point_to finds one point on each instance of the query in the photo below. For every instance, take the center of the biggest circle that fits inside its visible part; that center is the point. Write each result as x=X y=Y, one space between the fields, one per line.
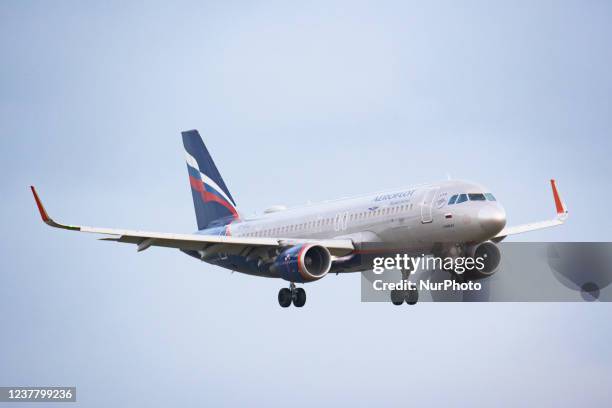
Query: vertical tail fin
x=214 y=205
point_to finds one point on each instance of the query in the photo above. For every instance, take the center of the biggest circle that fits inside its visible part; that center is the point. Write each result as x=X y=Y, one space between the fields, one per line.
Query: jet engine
x=491 y=257
x=302 y=263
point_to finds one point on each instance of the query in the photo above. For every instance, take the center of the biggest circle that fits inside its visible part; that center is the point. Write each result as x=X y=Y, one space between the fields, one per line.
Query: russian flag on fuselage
x=214 y=205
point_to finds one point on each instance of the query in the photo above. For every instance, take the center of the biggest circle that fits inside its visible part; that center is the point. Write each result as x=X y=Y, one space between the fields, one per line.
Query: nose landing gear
x=294 y=295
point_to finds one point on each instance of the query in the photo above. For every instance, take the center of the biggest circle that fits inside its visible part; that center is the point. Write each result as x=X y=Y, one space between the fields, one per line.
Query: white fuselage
x=415 y=219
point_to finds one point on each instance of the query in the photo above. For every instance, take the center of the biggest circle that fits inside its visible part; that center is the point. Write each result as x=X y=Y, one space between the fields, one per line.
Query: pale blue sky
x=296 y=102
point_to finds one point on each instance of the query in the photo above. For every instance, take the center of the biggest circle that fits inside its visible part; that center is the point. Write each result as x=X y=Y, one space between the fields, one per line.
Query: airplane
x=306 y=243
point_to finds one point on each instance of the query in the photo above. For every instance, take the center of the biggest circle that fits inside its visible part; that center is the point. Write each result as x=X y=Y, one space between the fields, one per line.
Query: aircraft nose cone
x=492 y=219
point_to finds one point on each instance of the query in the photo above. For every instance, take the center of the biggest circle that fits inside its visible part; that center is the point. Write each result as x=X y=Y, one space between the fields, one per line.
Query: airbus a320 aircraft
x=304 y=244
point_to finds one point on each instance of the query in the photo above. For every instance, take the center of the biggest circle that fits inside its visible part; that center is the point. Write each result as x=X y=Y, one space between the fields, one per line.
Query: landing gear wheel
x=397 y=297
x=299 y=298
x=412 y=297
x=284 y=297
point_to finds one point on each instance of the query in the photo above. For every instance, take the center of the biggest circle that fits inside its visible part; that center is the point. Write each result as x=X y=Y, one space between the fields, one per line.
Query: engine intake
x=491 y=256
x=303 y=263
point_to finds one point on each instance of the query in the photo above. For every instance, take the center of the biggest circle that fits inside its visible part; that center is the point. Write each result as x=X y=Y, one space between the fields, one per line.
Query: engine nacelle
x=491 y=256
x=303 y=263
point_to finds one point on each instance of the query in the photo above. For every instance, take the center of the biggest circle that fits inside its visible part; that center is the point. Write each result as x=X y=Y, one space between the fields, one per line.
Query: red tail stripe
x=198 y=185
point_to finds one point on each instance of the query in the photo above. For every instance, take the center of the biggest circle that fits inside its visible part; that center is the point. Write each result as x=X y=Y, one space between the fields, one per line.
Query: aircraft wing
x=562 y=215
x=209 y=244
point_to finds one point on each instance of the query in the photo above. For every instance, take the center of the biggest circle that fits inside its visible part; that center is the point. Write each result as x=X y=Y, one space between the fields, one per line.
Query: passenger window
x=462 y=198
x=490 y=197
x=452 y=199
x=477 y=197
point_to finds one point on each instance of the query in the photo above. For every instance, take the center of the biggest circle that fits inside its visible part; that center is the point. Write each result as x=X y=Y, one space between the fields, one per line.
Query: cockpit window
x=477 y=197
x=462 y=198
x=490 y=197
x=452 y=199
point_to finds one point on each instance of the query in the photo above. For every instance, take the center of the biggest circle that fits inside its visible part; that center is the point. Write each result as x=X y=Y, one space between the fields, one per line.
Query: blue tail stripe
x=193 y=172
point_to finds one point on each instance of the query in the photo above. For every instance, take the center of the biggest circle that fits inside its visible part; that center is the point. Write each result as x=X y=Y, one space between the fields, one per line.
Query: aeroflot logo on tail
x=403 y=194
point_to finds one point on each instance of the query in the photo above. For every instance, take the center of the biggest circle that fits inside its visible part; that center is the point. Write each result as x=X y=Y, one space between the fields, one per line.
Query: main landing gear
x=410 y=296
x=399 y=296
x=292 y=294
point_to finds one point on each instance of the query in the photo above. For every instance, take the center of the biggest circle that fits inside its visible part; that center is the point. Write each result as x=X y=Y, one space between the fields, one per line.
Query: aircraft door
x=427 y=204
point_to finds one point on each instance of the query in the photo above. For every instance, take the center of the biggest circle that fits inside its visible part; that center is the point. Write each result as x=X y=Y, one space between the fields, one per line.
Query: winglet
x=561 y=209
x=45 y=217
x=41 y=208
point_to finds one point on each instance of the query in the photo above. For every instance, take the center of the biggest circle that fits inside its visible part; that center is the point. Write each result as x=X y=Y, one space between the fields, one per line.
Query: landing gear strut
x=292 y=294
